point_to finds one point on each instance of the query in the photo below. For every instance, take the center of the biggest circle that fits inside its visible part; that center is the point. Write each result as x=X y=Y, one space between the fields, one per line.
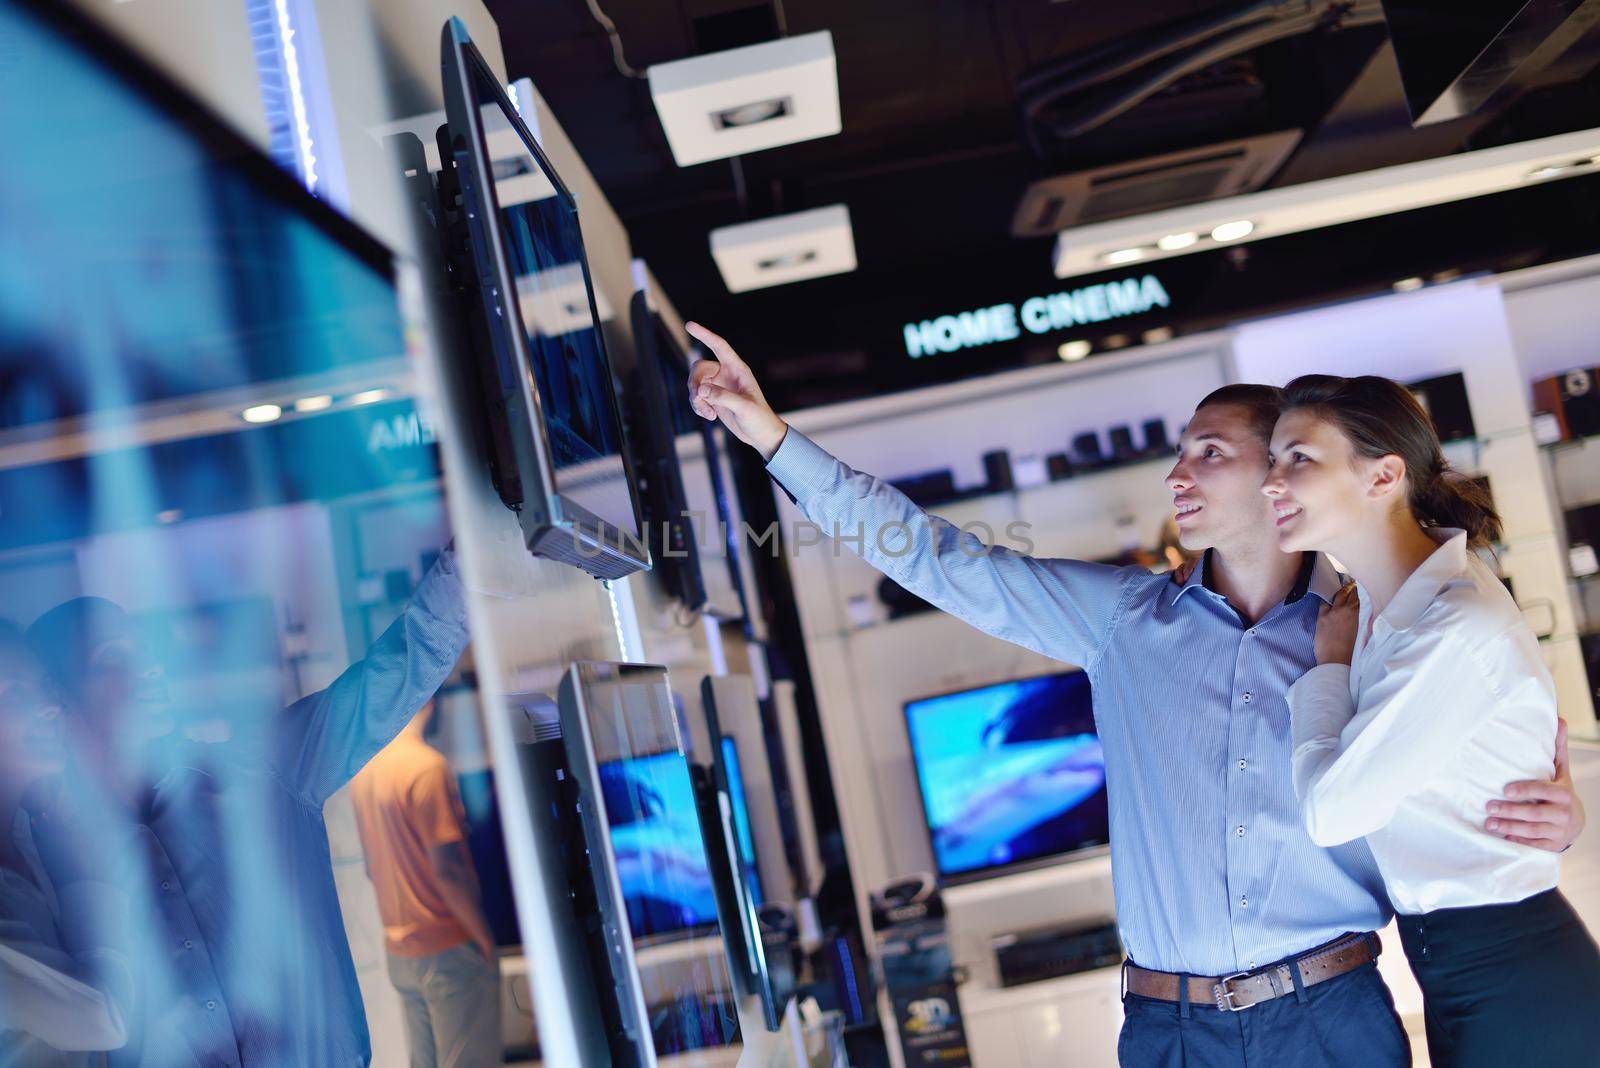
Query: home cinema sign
x=1036 y=315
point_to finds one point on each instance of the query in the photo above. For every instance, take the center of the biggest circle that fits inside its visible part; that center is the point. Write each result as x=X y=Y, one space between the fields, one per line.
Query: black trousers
x=1507 y=985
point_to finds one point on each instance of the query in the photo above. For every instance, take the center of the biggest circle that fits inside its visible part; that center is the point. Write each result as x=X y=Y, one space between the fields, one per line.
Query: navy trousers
x=1342 y=1022
x=1507 y=985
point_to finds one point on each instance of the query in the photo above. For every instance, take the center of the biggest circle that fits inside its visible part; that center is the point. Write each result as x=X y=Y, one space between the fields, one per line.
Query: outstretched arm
x=1061 y=608
x=326 y=737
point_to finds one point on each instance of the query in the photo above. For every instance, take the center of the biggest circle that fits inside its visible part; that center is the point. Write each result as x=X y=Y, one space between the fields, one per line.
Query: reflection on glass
x=212 y=623
x=1010 y=773
x=539 y=228
x=741 y=819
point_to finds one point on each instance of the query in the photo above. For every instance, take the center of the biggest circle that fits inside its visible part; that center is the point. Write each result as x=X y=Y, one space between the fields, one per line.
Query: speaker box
x=1573 y=399
x=1445 y=400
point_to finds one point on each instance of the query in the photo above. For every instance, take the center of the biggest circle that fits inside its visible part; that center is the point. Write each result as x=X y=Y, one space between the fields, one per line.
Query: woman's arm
x=1353 y=766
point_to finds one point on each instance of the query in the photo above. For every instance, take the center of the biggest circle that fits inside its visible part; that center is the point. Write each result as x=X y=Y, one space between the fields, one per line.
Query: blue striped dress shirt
x=1212 y=867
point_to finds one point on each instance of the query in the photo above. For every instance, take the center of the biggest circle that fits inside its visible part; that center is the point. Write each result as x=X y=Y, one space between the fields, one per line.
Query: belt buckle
x=1224 y=996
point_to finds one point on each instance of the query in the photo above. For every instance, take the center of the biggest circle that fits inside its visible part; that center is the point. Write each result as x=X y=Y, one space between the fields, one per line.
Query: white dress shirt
x=52 y=1015
x=1446 y=701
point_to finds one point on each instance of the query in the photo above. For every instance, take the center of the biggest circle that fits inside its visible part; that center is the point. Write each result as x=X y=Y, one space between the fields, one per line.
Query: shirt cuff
x=800 y=464
x=1320 y=704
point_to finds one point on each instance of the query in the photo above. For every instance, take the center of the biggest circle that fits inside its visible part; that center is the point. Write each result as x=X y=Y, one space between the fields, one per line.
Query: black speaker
x=1155 y=437
x=1086 y=450
x=1445 y=400
x=934 y=487
x=997 y=472
x=1057 y=466
x=1122 y=448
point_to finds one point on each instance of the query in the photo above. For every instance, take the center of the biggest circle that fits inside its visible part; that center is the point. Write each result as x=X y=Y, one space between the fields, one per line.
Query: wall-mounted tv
x=647 y=856
x=751 y=947
x=548 y=378
x=688 y=512
x=1011 y=775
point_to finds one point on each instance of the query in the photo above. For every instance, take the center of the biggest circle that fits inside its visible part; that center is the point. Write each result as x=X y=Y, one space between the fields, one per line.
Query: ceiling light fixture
x=788 y=259
x=1157 y=335
x=750 y=114
x=369 y=396
x=1408 y=285
x=1072 y=351
x=1176 y=242
x=261 y=413
x=1233 y=231
x=1122 y=255
x=313 y=404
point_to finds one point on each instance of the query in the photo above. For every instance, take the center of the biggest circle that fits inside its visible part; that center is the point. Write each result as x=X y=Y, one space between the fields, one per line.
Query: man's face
x=124 y=691
x=1216 y=483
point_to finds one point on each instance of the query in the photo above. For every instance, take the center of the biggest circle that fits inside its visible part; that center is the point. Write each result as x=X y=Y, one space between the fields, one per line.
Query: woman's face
x=1318 y=486
x=32 y=744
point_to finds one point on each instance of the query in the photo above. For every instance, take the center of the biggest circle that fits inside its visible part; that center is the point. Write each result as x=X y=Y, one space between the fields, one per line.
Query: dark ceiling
x=935 y=154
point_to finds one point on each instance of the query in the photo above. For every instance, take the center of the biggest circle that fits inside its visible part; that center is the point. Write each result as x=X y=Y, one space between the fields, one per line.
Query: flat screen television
x=751 y=946
x=688 y=513
x=1011 y=775
x=547 y=374
x=648 y=860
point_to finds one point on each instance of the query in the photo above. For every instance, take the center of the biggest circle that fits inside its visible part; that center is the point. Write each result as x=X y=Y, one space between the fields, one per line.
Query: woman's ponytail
x=1452 y=499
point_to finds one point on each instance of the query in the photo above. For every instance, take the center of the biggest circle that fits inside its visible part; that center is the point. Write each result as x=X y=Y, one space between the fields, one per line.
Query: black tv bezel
x=669 y=531
x=553 y=525
x=993 y=871
x=748 y=958
x=611 y=905
x=213 y=133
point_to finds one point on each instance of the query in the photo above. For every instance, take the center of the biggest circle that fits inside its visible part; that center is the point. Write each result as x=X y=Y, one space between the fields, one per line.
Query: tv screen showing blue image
x=655 y=835
x=741 y=818
x=1010 y=774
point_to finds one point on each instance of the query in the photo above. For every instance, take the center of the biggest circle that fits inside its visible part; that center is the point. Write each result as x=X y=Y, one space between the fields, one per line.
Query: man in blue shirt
x=1224 y=902
x=239 y=944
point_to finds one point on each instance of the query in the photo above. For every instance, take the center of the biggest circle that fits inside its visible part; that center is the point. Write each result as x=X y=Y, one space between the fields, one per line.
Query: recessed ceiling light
x=1122 y=255
x=171 y=515
x=313 y=404
x=1175 y=242
x=1157 y=335
x=750 y=114
x=369 y=396
x=788 y=259
x=1233 y=231
x=1074 y=350
x=1556 y=170
x=1115 y=341
x=1407 y=285
x=261 y=413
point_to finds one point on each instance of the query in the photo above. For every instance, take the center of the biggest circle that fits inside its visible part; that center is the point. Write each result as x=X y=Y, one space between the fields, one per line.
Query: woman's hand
x=1336 y=627
x=726 y=389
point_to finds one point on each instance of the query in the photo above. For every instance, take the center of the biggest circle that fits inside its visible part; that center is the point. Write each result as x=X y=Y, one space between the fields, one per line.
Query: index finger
x=717 y=345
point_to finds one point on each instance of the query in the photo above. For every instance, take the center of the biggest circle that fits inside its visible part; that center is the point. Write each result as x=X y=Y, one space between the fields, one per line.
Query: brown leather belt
x=1236 y=992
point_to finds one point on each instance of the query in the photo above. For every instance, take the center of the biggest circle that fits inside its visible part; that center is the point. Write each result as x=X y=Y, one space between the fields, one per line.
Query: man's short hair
x=1261 y=403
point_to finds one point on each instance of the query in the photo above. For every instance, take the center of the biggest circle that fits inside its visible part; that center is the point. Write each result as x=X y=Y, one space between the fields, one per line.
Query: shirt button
x=188 y=943
x=1243 y=763
x=166 y=885
x=211 y=1005
x=1244 y=902
x=1247 y=697
x=1239 y=830
x=1251 y=632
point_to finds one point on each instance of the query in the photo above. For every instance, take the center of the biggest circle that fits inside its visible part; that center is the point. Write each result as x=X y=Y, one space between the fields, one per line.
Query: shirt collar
x=1317 y=577
x=1422 y=586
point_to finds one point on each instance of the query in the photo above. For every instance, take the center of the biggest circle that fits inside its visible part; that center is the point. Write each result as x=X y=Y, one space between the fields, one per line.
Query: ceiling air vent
x=1151 y=184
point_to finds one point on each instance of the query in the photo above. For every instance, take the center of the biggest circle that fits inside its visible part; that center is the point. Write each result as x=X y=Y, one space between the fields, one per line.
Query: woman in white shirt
x=1428 y=697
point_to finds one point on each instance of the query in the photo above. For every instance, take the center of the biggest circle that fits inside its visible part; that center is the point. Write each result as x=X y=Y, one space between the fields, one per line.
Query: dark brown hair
x=1380 y=417
x=1261 y=403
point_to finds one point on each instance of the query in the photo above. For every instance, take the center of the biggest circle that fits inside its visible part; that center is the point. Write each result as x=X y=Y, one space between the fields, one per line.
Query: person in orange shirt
x=441 y=952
